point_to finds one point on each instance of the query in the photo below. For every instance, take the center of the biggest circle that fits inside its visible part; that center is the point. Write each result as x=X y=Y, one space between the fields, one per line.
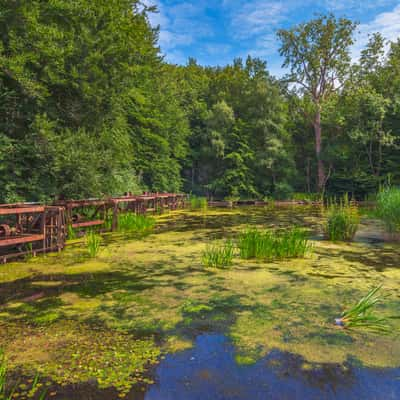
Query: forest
x=89 y=107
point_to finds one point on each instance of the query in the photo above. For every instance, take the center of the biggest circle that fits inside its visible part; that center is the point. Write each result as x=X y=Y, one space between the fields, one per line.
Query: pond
x=146 y=320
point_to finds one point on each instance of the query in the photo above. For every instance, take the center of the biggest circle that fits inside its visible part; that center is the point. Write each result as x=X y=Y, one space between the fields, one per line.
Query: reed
x=93 y=242
x=342 y=221
x=388 y=208
x=133 y=223
x=269 y=245
x=361 y=315
x=198 y=203
x=71 y=234
x=3 y=372
x=218 y=256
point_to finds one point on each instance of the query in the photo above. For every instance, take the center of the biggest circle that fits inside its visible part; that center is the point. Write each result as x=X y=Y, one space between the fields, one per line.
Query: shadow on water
x=209 y=371
x=268 y=216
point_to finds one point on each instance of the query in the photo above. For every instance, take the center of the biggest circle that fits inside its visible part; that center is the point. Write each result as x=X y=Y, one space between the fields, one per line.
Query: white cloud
x=356 y=5
x=180 y=25
x=169 y=40
x=217 y=49
x=257 y=17
x=217 y=31
x=387 y=23
x=266 y=45
x=176 y=57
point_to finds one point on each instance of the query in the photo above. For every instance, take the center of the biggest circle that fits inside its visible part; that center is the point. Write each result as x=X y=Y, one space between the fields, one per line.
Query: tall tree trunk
x=308 y=169
x=318 y=147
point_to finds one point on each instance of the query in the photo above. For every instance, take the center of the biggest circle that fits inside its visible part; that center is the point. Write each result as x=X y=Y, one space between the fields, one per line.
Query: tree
x=317 y=53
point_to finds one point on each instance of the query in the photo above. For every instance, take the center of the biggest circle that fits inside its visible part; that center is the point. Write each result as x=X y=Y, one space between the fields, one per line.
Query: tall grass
x=133 y=223
x=270 y=245
x=71 y=233
x=388 y=208
x=93 y=242
x=342 y=221
x=198 y=203
x=361 y=315
x=308 y=197
x=218 y=256
x=3 y=372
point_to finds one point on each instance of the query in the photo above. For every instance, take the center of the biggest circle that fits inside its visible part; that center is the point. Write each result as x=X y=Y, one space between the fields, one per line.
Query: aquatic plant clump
x=93 y=242
x=388 y=208
x=134 y=223
x=342 y=221
x=198 y=203
x=361 y=315
x=218 y=256
x=269 y=245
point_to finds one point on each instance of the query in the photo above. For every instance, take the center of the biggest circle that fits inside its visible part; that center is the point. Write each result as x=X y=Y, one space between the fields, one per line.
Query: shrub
x=388 y=208
x=218 y=256
x=198 y=203
x=342 y=222
x=269 y=245
x=131 y=222
x=93 y=242
x=283 y=191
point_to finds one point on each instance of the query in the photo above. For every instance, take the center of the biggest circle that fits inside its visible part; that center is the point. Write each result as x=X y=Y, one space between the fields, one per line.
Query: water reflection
x=209 y=371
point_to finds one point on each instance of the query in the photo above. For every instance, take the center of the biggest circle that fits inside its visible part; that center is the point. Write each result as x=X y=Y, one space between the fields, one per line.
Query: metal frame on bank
x=30 y=228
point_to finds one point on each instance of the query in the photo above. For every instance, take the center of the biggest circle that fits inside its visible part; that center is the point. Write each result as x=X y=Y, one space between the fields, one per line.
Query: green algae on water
x=111 y=317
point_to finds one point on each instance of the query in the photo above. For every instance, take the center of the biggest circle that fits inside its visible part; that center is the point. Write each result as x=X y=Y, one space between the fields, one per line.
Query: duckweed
x=109 y=319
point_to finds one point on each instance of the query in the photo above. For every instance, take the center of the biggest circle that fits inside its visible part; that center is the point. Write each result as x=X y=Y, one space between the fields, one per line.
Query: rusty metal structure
x=28 y=228
x=84 y=213
x=146 y=203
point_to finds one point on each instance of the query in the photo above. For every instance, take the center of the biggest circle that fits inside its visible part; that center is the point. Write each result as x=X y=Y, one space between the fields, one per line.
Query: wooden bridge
x=30 y=228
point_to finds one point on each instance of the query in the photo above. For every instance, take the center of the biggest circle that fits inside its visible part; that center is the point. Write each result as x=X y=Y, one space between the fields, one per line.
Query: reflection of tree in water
x=269 y=217
x=326 y=377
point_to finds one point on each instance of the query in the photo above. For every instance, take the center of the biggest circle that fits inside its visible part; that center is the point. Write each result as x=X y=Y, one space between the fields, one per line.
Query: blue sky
x=216 y=31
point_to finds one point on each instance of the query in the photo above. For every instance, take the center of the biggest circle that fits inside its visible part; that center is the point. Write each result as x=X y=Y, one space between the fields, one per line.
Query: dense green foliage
x=89 y=108
x=198 y=203
x=342 y=221
x=388 y=208
x=271 y=245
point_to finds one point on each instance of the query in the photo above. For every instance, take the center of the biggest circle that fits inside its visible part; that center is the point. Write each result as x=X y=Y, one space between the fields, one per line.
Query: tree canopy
x=89 y=107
